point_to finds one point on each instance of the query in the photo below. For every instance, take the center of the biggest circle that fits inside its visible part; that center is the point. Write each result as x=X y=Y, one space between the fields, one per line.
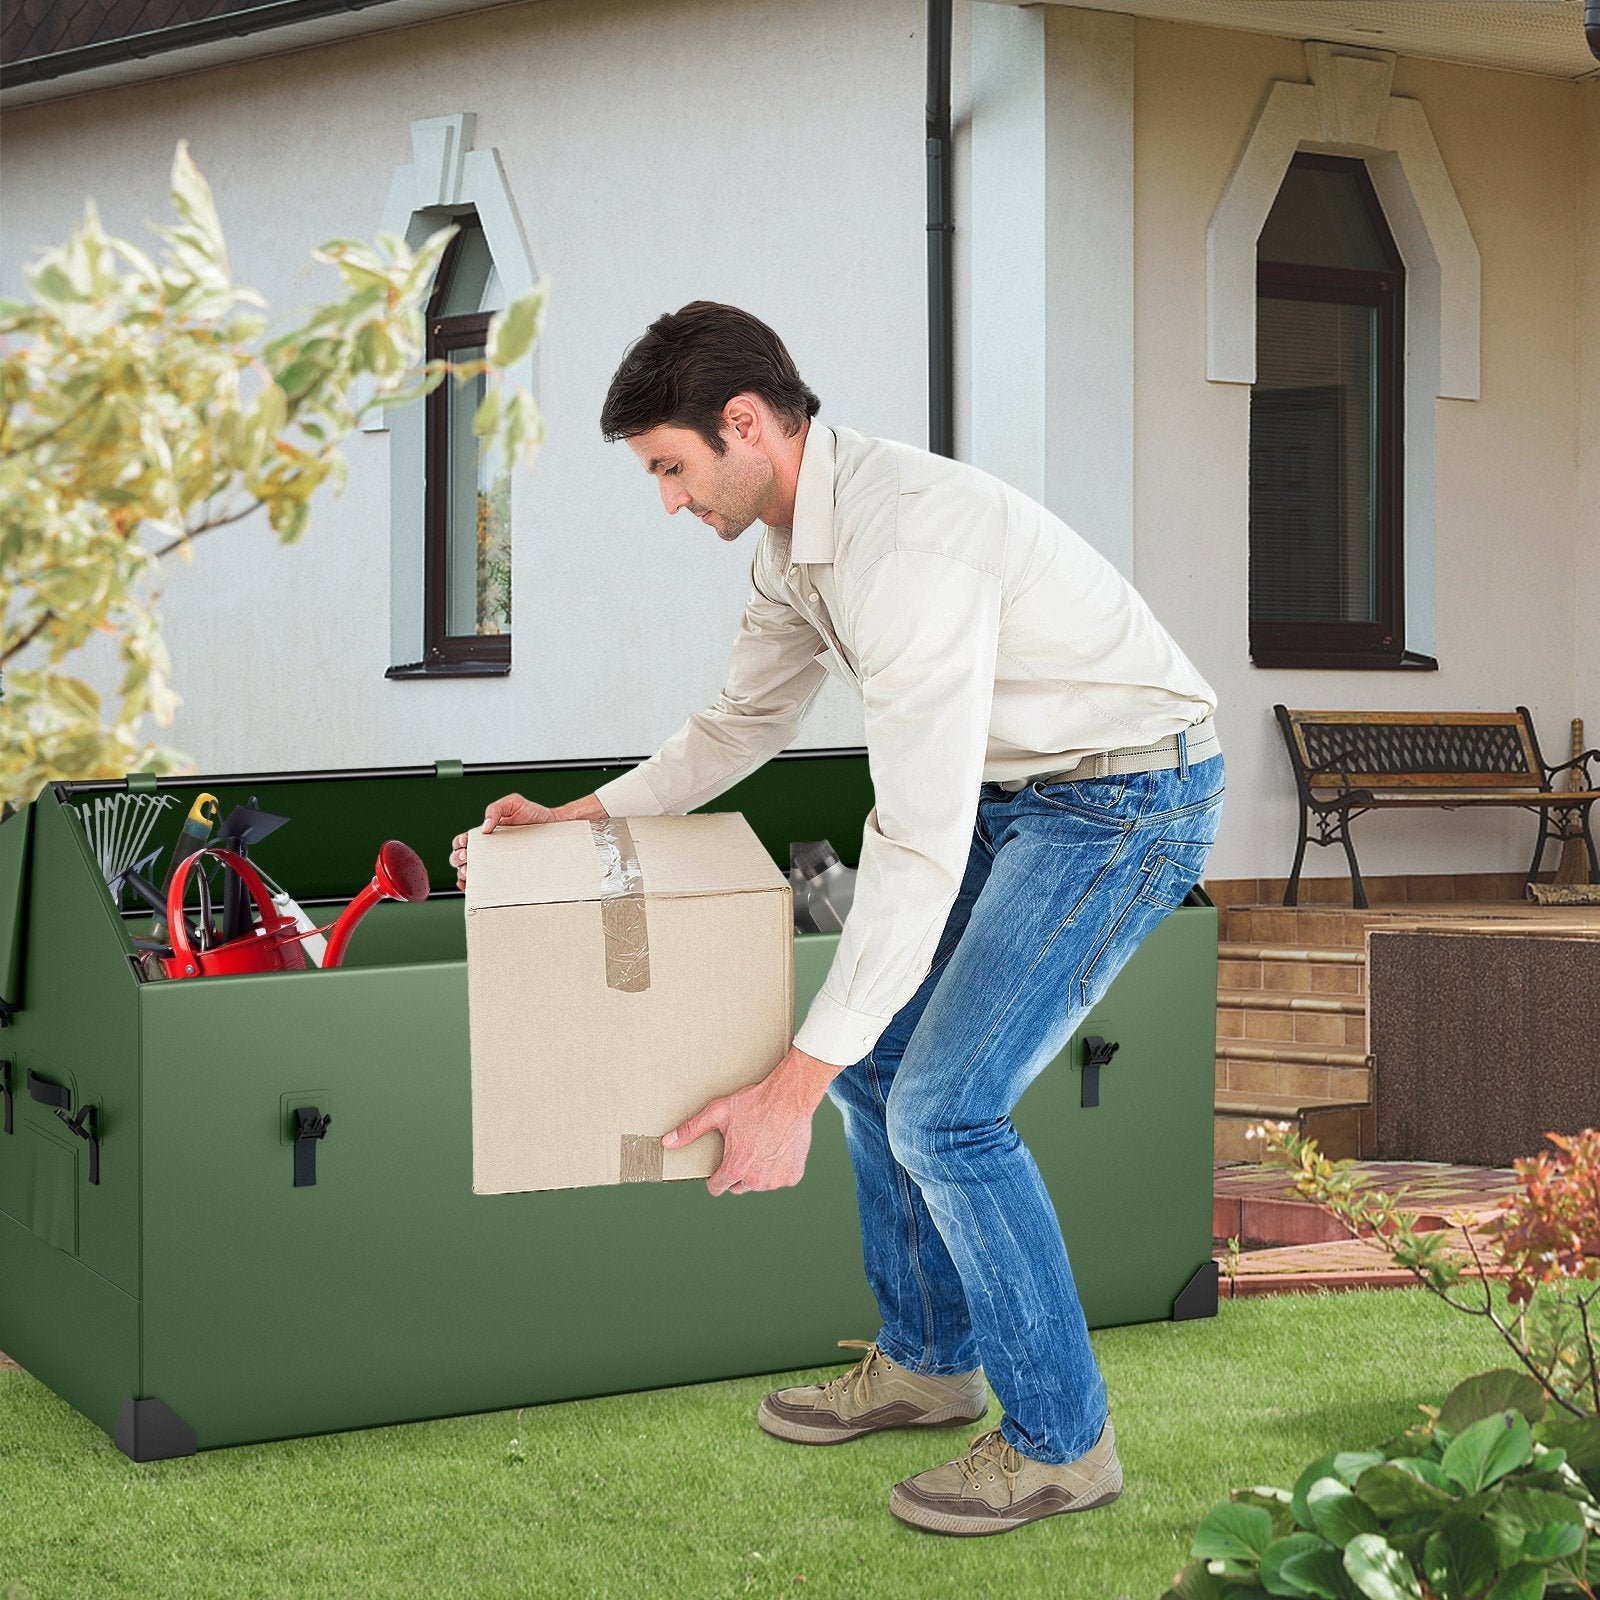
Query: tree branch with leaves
x=144 y=404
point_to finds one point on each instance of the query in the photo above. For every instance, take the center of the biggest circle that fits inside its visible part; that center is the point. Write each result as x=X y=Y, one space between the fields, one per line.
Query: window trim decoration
x=445 y=178
x=1347 y=109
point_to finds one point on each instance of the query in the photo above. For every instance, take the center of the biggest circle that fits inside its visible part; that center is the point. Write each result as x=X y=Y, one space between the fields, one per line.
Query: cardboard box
x=620 y=974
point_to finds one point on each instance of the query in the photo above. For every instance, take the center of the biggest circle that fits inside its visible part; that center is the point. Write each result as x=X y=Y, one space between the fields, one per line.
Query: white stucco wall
x=772 y=156
x=1506 y=480
x=767 y=155
x=1587 y=564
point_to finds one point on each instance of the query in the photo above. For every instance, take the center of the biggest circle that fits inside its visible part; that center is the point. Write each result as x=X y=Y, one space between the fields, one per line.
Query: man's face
x=726 y=492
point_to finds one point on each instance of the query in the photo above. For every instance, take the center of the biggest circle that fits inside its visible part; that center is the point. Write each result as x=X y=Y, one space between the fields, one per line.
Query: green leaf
x=1348 y=1465
x=512 y=332
x=1579 y=1437
x=1504 y=1389
x=485 y=418
x=191 y=194
x=1553 y=1542
x=1488 y=1450
x=1321 y=1572
x=1423 y=1467
x=1534 y=1508
x=1233 y=1533
x=1321 y=1468
x=1522 y=1582
x=1391 y=1491
x=1473 y=1552
x=1284 y=1569
x=1337 y=1514
x=1380 y=1573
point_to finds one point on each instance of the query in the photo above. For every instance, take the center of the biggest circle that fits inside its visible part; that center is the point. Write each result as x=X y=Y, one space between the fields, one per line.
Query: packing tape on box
x=641 y=1158
x=622 y=912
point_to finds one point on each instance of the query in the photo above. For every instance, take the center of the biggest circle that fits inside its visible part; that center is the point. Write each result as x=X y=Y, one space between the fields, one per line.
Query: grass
x=677 y=1492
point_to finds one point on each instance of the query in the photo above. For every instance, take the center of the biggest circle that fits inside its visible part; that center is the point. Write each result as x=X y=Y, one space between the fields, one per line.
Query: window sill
x=1406 y=661
x=451 y=669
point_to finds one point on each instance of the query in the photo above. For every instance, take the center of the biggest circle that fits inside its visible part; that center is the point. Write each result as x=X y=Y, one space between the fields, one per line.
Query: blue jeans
x=961 y=1243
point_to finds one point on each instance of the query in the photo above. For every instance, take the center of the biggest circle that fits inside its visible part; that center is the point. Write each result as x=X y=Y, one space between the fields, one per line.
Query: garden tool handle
x=177 y=928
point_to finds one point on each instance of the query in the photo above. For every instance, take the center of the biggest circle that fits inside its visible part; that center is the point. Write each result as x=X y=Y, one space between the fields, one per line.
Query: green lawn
x=677 y=1492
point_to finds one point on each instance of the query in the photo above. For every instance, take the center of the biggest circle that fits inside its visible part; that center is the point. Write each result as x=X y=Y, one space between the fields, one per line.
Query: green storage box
x=194 y=1297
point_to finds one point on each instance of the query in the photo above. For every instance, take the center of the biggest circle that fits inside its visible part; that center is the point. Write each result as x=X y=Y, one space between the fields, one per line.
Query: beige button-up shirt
x=987 y=641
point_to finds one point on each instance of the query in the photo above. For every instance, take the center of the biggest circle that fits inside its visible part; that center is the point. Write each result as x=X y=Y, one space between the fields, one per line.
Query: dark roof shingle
x=35 y=28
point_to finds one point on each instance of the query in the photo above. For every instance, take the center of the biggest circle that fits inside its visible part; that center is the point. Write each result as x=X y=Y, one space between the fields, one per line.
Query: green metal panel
x=271 y=1311
x=1131 y=1177
x=14 y=838
x=71 y=1329
x=79 y=1027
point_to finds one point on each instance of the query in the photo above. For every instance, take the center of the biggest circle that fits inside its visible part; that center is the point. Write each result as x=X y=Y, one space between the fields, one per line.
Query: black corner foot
x=150 y=1430
x=1199 y=1296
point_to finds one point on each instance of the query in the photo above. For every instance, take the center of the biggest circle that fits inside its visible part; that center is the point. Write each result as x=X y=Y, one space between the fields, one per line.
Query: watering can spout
x=400 y=875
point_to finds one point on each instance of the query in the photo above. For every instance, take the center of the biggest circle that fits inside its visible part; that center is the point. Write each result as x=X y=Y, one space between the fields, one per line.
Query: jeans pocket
x=1103 y=798
x=1171 y=868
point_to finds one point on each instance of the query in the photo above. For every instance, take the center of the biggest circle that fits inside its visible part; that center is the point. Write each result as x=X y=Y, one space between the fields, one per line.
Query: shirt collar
x=811 y=539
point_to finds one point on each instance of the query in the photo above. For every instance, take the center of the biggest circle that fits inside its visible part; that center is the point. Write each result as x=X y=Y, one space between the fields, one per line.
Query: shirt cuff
x=836 y=1034
x=629 y=796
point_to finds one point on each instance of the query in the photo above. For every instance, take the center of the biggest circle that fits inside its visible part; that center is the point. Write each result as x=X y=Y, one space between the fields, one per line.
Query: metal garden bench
x=1350 y=762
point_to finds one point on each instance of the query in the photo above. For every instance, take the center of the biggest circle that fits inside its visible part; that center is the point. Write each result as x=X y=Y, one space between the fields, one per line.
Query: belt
x=1198 y=743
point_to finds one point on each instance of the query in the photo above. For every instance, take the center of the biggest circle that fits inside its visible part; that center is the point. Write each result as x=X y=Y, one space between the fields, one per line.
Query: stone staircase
x=1292 y=1029
x=1292 y=997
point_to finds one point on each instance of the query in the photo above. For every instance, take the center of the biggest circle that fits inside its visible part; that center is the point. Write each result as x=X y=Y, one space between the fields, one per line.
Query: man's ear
x=742 y=416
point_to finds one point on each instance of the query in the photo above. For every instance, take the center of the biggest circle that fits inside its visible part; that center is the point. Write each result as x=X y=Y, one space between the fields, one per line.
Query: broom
x=1574 y=864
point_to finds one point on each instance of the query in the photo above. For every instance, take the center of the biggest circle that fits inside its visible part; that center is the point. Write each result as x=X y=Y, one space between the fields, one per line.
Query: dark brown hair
x=689 y=364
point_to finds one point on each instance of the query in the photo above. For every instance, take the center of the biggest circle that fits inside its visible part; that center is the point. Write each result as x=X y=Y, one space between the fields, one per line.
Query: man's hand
x=766 y=1127
x=513 y=811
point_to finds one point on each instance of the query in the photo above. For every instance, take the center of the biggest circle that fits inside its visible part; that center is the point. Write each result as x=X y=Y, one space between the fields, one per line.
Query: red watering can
x=275 y=946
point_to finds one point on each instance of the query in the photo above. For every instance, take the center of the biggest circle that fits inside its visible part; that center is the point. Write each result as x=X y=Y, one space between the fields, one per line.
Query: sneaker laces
x=856 y=1379
x=991 y=1449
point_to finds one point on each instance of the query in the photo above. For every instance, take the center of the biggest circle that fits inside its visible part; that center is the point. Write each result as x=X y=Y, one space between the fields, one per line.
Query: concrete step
x=1291 y=1017
x=1294 y=969
x=1294 y=1070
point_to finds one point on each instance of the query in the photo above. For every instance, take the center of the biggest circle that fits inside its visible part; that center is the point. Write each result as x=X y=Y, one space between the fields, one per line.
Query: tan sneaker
x=875 y=1393
x=994 y=1488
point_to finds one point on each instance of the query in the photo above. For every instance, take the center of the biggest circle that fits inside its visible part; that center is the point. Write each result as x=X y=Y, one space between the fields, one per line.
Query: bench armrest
x=1566 y=766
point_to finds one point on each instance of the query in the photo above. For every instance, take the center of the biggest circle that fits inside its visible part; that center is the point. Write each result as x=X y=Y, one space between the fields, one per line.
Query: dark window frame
x=1380 y=643
x=444 y=652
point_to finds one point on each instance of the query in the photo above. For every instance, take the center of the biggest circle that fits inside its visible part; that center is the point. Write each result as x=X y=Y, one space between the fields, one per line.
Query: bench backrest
x=1414 y=749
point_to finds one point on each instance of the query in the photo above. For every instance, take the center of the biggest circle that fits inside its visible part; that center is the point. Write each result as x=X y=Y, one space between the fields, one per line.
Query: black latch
x=83 y=1124
x=310 y=1126
x=5 y=1097
x=1097 y=1053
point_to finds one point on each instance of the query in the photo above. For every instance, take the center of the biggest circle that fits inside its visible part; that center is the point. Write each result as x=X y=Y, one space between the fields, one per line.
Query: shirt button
x=815 y=595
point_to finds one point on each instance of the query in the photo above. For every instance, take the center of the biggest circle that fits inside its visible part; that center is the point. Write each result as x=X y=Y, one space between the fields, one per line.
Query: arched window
x=1326 y=533
x=467 y=543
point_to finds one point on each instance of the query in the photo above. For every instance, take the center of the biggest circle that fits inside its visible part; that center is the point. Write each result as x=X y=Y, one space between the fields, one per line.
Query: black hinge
x=5 y=1097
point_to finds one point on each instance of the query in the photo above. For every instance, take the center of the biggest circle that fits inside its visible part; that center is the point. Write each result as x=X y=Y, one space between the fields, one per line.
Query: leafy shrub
x=1489 y=1498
